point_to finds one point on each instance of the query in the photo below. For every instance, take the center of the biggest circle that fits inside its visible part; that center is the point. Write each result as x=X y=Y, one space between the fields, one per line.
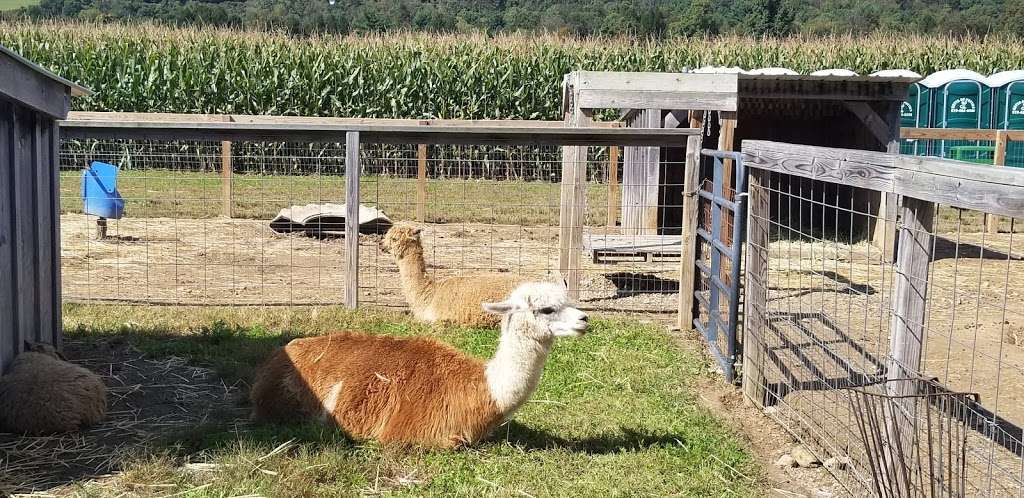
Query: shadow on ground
x=175 y=395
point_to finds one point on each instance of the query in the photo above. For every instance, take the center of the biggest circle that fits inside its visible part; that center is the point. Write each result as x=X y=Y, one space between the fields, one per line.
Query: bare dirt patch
x=237 y=261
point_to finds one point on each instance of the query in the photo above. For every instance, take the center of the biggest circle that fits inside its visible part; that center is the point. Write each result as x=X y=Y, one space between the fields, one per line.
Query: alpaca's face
x=398 y=238
x=544 y=309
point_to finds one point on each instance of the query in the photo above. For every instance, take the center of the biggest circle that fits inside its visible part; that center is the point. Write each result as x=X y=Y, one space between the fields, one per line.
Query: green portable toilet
x=914 y=112
x=960 y=99
x=1008 y=112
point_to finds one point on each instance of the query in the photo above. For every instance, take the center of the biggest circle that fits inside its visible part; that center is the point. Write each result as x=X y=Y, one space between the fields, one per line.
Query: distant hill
x=644 y=18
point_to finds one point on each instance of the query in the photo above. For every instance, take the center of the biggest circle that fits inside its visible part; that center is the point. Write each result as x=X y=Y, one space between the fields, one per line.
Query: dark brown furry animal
x=43 y=394
x=417 y=390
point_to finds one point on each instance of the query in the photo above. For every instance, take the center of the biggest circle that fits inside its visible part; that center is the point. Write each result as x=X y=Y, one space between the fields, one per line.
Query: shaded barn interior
x=859 y=112
x=31 y=101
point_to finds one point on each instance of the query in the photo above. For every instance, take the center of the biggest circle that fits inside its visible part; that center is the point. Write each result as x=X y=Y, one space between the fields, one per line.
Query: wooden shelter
x=852 y=112
x=32 y=99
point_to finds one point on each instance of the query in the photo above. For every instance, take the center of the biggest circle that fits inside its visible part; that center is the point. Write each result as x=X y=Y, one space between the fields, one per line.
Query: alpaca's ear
x=416 y=231
x=498 y=308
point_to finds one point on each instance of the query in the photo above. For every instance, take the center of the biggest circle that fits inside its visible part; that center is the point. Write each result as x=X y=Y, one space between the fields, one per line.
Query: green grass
x=175 y=194
x=16 y=4
x=615 y=415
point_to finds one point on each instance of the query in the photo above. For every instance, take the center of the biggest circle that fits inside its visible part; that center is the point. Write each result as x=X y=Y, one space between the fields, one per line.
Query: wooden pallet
x=624 y=248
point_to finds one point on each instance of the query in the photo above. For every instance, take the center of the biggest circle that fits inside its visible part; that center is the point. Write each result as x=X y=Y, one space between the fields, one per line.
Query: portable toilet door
x=1008 y=90
x=960 y=99
x=915 y=112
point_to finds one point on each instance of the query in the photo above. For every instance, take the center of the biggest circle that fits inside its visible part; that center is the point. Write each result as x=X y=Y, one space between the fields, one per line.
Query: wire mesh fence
x=826 y=288
x=197 y=225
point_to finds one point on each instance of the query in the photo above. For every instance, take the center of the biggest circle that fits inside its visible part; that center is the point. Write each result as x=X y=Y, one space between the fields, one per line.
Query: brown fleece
x=42 y=394
x=395 y=390
x=454 y=300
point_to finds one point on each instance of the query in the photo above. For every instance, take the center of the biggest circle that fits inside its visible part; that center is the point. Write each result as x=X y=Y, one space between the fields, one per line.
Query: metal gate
x=721 y=230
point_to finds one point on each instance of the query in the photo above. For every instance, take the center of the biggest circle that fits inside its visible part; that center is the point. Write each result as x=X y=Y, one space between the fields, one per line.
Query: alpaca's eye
x=546 y=311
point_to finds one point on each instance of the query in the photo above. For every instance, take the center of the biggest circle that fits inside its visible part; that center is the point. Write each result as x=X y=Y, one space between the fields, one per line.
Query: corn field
x=148 y=68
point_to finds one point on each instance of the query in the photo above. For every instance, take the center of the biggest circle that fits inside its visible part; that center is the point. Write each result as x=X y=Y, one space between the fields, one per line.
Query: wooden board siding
x=640 y=180
x=29 y=231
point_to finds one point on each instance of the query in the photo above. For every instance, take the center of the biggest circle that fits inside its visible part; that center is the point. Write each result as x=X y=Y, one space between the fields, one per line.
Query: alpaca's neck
x=513 y=373
x=413 y=270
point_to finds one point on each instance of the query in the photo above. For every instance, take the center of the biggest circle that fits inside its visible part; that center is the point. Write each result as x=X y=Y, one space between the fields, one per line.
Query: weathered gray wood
x=641 y=180
x=909 y=299
x=998 y=159
x=691 y=182
x=614 y=191
x=884 y=230
x=8 y=330
x=755 y=291
x=421 y=183
x=943 y=181
x=872 y=170
x=32 y=89
x=370 y=133
x=352 y=173
x=628 y=99
x=43 y=283
x=573 y=205
x=959 y=184
x=661 y=244
x=226 y=171
x=54 y=219
x=872 y=121
x=22 y=197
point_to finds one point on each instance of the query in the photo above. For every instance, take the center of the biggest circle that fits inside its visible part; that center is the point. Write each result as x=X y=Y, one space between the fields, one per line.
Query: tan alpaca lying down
x=43 y=394
x=454 y=300
x=417 y=390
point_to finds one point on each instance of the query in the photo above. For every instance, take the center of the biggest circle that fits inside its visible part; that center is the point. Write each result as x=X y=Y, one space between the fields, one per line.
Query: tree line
x=641 y=18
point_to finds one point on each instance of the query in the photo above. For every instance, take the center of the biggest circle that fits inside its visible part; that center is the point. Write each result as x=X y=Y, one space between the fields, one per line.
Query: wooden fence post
x=998 y=159
x=910 y=289
x=352 y=219
x=687 y=265
x=226 y=170
x=573 y=206
x=421 y=184
x=613 y=186
x=755 y=293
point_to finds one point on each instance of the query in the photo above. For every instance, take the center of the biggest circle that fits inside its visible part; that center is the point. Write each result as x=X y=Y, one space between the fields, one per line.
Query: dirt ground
x=831 y=317
x=241 y=262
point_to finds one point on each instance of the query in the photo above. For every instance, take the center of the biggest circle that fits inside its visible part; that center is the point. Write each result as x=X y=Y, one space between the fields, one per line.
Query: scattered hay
x=149 y=399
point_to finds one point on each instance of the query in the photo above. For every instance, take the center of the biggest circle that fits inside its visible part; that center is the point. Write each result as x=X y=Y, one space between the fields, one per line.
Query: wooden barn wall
x=29 y=231
x=640 y=180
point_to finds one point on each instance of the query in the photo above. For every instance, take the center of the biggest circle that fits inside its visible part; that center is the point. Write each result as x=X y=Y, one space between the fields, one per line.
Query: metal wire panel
x=828 y=298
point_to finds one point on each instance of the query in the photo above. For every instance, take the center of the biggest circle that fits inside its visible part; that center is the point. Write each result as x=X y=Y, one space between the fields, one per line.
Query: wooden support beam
x=883 y=234
x=999 y=159
x=909 y=300
x=907 y=328
x=755 y=293
x=573 y=206
x=226 y=171
x=871 y=120
x=691 y=182
x=613 y=186
x=352 y=173
x=645 y=90
x=421 y=183
x=652 y=177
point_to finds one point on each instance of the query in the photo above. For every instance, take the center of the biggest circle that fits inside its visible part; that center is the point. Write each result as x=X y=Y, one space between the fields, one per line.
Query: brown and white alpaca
x=418 y=390
x=454 y=300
